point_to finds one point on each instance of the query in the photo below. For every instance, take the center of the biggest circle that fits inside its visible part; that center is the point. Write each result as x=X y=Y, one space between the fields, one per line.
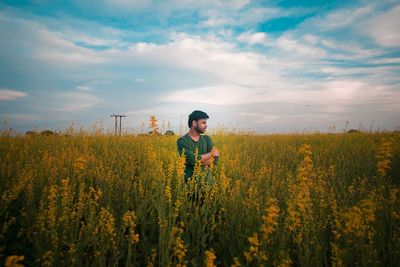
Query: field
x=277 y=200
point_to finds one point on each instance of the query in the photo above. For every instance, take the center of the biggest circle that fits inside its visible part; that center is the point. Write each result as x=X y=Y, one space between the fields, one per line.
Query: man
x=195 y=139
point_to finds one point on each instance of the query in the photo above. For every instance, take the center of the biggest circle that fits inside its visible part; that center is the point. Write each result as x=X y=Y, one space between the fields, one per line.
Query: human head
x=197 y=119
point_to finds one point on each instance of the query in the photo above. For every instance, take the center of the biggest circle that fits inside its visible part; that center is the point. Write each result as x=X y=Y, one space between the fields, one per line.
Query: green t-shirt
x=204 y=145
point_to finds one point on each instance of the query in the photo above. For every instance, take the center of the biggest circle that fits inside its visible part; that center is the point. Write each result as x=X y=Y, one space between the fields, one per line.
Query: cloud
x=22 y=117
x=52 y=47
x=290 y=44
x=210 y=58
x=83 y=88
x=384 y=29
x=340 y=18
x=138 y=6
x=76 y=101
x=128 y=4
x=253 y=38
x=7 y=94
x=332 y=96
x=216 y=95
x=259 y=117
x=249 y=16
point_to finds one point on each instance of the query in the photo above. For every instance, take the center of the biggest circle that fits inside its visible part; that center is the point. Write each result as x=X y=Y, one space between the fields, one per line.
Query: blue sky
x=269 y=66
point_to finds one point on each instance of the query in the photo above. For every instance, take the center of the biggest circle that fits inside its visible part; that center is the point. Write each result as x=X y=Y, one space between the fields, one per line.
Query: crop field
x=276 y=200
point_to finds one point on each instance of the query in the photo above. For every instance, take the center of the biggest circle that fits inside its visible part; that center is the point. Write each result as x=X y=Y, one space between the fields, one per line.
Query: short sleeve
x=210 y=144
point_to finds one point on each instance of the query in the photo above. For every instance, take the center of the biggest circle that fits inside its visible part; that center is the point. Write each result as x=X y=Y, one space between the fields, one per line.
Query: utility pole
x=120 y=118
x=116 y=116
x=116 y=122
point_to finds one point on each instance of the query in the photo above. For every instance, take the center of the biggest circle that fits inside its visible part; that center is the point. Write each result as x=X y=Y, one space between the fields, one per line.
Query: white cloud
x=128 y=4
x=248 y=16
x=47 y=45
x=259 y=117
x=83 y=88
x=211 y=58
x=311 y=38
x=291 y=44
x=7 y=94
x=238 y=4
x=89 y=40
x=215 y=95
x=53 y=48
x=21 y=117
x=77 y=100
x=340 y=18
x=331 y=96
x=253 y=38
x=384 y=29
x=349 y=50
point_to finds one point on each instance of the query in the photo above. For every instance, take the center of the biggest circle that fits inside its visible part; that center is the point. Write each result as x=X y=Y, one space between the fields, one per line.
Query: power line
x=116 y=116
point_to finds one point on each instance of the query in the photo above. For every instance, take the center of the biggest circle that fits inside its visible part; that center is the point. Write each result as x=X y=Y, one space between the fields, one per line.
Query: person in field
x=194 y=140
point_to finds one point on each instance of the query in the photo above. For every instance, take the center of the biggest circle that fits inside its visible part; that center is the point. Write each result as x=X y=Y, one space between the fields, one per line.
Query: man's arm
x=191 y=156
x=213 y=150
x=205 y=158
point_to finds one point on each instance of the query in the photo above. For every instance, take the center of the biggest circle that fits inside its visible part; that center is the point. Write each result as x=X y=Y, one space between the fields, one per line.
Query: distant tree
x=154 y=133
x=47 y=133
x=353 y=131
x=30 y=133
x=169 y=132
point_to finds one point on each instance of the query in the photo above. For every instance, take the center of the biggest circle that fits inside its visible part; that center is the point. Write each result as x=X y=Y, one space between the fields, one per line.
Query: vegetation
x=277 y=200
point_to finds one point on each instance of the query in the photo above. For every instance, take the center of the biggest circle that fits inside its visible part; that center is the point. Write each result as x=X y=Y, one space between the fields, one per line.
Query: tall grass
x=277 y=200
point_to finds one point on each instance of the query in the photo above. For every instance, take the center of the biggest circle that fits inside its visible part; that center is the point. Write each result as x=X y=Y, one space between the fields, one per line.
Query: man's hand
x=214 y=152
x=205 y=158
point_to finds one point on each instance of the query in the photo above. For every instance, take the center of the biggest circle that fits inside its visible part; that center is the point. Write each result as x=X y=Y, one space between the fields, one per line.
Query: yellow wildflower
x=384 y=156
x=236 y=262
x=209 y=258
x=14 y=261
x=270 y=220
x=254 y=252
x=168 y=194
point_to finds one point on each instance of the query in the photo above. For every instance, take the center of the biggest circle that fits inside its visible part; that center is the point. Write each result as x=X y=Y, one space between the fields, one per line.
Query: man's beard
x=198 y=130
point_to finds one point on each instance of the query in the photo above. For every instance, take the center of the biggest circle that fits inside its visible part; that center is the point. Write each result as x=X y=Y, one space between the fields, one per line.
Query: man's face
x=200 y=125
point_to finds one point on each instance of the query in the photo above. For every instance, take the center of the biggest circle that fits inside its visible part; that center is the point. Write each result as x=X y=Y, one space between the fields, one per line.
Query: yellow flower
x=136 y=238
x=384 y=156
x=236 y=262
x=14 y=261
x=129 y=221
x=153 y=257
x=177 y=244
x=254 y=252
x=80 y=163
x=209 y=258
x=106 y=225
x=270 y=219
x=179 y=250
x=168 y=194
x=358 y=220
x=300 y=206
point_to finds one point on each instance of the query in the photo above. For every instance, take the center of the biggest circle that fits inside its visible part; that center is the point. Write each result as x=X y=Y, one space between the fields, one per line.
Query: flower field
x=277 y=200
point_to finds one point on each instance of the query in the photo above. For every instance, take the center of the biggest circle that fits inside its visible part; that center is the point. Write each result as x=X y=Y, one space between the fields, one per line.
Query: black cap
x=197 y=115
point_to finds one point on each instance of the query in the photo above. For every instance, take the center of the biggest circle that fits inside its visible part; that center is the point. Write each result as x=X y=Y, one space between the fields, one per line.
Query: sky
x=266 y=66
